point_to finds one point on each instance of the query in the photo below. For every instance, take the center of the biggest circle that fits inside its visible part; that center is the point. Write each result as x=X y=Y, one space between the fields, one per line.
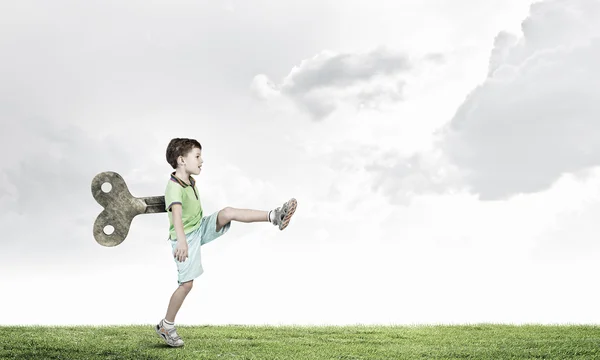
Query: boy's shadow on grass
x=160 y=346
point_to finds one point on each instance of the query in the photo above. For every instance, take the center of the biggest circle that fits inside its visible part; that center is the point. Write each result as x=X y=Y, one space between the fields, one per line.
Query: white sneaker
x=284 y=213
x=169 y=335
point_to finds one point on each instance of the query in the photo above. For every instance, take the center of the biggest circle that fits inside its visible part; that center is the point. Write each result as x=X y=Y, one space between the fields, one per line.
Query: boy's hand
x=181 y=251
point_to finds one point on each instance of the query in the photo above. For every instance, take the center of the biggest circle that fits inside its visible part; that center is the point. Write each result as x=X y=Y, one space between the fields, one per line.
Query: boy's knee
x=226 y=215
x=187 y=286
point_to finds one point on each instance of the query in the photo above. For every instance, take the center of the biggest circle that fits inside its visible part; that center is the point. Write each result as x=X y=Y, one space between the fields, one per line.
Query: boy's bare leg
x=228 y=214
x=177 y=299
x=225 y=216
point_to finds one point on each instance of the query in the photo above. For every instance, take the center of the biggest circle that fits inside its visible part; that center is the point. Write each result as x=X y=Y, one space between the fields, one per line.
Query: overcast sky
x=444 y=155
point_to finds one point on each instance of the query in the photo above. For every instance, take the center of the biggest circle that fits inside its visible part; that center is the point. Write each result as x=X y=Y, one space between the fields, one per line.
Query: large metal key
x=120 y=207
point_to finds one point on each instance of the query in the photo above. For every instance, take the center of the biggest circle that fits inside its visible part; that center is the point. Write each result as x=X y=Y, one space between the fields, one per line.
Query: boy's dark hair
x=180 y=147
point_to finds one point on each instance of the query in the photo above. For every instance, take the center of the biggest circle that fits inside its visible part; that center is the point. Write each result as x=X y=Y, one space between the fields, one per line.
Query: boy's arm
x=177 y=221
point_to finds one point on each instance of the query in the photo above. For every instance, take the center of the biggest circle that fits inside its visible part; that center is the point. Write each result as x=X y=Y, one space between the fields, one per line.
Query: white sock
x=168 y=325
x=271 y=216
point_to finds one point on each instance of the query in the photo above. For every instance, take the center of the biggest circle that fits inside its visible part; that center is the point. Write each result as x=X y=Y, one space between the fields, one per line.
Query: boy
x=189 y=228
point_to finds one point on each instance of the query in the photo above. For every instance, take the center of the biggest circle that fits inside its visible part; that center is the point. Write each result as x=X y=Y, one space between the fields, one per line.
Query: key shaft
x=154 y=204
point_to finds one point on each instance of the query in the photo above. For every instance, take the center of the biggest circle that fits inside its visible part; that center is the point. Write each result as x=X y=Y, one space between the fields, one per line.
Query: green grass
x=297 y=342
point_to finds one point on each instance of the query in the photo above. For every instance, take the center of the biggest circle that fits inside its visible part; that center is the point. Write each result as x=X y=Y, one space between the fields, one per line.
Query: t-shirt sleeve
x=173 y=195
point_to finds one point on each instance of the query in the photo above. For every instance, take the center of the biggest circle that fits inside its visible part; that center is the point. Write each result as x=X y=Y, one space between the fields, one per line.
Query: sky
x=444 y=158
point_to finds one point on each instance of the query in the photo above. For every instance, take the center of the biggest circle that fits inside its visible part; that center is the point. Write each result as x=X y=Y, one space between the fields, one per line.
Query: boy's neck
x=183 y=177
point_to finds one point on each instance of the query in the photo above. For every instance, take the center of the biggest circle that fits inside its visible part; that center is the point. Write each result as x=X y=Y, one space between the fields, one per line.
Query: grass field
x=288 y=342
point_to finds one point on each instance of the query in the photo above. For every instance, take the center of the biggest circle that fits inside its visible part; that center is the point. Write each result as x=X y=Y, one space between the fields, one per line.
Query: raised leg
x=228 y=214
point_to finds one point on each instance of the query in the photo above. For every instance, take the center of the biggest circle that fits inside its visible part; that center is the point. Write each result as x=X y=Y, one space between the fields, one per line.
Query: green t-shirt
x=178 y=192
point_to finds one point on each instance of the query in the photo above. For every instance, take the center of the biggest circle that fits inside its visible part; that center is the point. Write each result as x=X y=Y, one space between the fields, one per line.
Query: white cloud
x=535 y=116
x=530 y=121
x=400 y=177
x=323 y=83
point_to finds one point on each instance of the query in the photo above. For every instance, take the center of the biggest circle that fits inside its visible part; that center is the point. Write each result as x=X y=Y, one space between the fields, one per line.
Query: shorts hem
x=180 y=282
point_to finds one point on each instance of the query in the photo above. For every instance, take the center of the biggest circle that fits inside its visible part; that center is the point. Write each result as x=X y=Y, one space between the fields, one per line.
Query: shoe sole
x=292 y=204
x=162 y=336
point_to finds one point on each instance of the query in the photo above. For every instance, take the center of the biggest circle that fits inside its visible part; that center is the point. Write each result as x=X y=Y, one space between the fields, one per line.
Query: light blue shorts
x=191 y=267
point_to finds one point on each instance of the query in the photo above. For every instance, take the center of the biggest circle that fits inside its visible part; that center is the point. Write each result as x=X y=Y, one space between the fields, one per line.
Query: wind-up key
x=120 y=207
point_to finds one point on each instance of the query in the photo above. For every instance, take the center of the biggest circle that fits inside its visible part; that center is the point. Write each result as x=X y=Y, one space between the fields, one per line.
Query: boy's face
x=193 y=161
